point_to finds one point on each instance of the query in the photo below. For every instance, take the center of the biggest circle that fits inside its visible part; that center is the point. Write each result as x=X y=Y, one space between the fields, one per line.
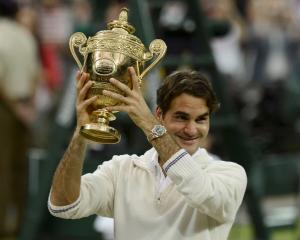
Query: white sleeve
x=67 y=211
x=216 y=189
x=96 y=195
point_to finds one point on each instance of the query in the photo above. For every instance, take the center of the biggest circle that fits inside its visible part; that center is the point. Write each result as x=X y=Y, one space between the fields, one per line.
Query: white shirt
x=200 y=202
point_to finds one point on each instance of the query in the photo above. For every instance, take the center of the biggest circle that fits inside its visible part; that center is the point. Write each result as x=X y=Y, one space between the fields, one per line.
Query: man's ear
x=158 y=113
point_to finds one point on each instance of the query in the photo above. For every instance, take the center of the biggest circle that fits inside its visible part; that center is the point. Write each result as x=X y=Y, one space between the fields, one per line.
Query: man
x=19 y=72
x=175 y=190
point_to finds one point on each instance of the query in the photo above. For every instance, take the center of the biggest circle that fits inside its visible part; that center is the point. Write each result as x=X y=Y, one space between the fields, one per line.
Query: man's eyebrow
x=185 y=114
x=180 y=113
x=203 y=115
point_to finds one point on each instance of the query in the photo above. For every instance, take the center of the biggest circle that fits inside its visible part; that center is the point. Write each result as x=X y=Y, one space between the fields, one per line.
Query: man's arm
x=164 y=145
x=139 y=112
x=66 y=181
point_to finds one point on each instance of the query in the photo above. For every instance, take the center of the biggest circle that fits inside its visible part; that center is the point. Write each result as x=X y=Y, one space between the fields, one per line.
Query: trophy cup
x=109 y=54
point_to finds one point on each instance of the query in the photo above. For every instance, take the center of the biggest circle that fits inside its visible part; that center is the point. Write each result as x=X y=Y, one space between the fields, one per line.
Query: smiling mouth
x=188 y=139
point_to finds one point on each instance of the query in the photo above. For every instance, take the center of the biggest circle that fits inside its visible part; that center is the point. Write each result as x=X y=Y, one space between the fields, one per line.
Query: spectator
x=19 y=71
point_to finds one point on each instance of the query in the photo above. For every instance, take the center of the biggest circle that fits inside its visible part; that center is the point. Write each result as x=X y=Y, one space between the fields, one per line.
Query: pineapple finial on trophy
x=122 y=22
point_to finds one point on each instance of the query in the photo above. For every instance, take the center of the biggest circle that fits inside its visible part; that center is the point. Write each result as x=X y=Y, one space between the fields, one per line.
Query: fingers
x=86 y=103
x=81 y=79
x=82 y=93
x=116 y=96
x=117 y=108
x=124 y=88
x=83 y=85
x=134 y=79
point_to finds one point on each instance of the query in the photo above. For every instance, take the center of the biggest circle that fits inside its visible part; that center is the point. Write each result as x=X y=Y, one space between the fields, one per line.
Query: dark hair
x=189 y=82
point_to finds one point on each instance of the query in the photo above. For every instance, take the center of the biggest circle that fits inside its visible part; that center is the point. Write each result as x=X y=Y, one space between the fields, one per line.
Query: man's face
x=187 y=120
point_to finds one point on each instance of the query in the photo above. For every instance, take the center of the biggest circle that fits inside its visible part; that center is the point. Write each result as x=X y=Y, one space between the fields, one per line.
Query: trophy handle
x=158 y=48
x=77 y=40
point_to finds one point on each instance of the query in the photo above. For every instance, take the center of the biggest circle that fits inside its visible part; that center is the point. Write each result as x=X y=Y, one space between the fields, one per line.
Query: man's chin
x=191 y=149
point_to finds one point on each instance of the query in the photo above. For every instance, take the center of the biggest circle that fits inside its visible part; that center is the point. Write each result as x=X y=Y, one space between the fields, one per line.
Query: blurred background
x=248 y=48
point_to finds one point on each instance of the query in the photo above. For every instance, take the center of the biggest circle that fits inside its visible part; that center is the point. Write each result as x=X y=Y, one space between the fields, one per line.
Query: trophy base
x=100 y=133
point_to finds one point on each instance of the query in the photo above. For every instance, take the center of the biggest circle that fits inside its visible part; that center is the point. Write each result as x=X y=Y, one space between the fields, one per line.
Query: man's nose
x=190 y=128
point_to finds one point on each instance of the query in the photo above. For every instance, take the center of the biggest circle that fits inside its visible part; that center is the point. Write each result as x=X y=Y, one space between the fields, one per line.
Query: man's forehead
x=188 y=101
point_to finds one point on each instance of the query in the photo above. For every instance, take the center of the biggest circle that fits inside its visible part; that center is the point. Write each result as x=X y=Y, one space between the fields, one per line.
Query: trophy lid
x=118 y=38
x=122 y=22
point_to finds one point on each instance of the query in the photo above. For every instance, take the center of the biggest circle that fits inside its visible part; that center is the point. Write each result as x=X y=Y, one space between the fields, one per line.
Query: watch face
x=156 y=132
x=159 y=130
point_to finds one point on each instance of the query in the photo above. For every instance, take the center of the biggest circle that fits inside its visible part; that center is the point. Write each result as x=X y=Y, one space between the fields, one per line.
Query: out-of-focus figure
x=226 y=39
x=55 y=25
x=272 y=23
x=82 y=10
x=19 y=70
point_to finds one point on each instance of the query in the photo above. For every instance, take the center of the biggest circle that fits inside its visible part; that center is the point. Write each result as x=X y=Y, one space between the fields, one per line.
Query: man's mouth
x=188 y=139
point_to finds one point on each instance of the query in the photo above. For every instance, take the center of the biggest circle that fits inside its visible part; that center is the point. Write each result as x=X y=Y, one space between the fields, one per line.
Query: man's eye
x=181 y=118
x=201 y=120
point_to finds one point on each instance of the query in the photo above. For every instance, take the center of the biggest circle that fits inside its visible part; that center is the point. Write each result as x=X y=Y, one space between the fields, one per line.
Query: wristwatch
x=156 y=132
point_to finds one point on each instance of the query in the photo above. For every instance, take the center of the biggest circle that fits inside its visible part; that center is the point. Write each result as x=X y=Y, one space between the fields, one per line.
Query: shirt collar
x=153 y=163
x=199 y=152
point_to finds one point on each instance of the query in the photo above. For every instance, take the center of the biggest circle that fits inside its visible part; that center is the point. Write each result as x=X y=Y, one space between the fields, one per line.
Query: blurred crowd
x=34 y=67
x=255 y=45
x=259 y=56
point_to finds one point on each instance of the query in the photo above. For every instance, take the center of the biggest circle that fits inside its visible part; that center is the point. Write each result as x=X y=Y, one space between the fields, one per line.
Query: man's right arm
x=67 y=178
x=66 y=181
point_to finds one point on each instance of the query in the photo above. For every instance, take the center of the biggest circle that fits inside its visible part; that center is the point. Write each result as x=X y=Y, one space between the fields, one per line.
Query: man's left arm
x=135 y=105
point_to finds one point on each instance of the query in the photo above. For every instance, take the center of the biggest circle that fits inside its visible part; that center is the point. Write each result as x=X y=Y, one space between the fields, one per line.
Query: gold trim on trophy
x=109 y=54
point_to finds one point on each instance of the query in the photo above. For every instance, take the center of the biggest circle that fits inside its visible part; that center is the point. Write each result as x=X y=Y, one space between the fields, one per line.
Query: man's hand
x=133 y=102
x=83 y=113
